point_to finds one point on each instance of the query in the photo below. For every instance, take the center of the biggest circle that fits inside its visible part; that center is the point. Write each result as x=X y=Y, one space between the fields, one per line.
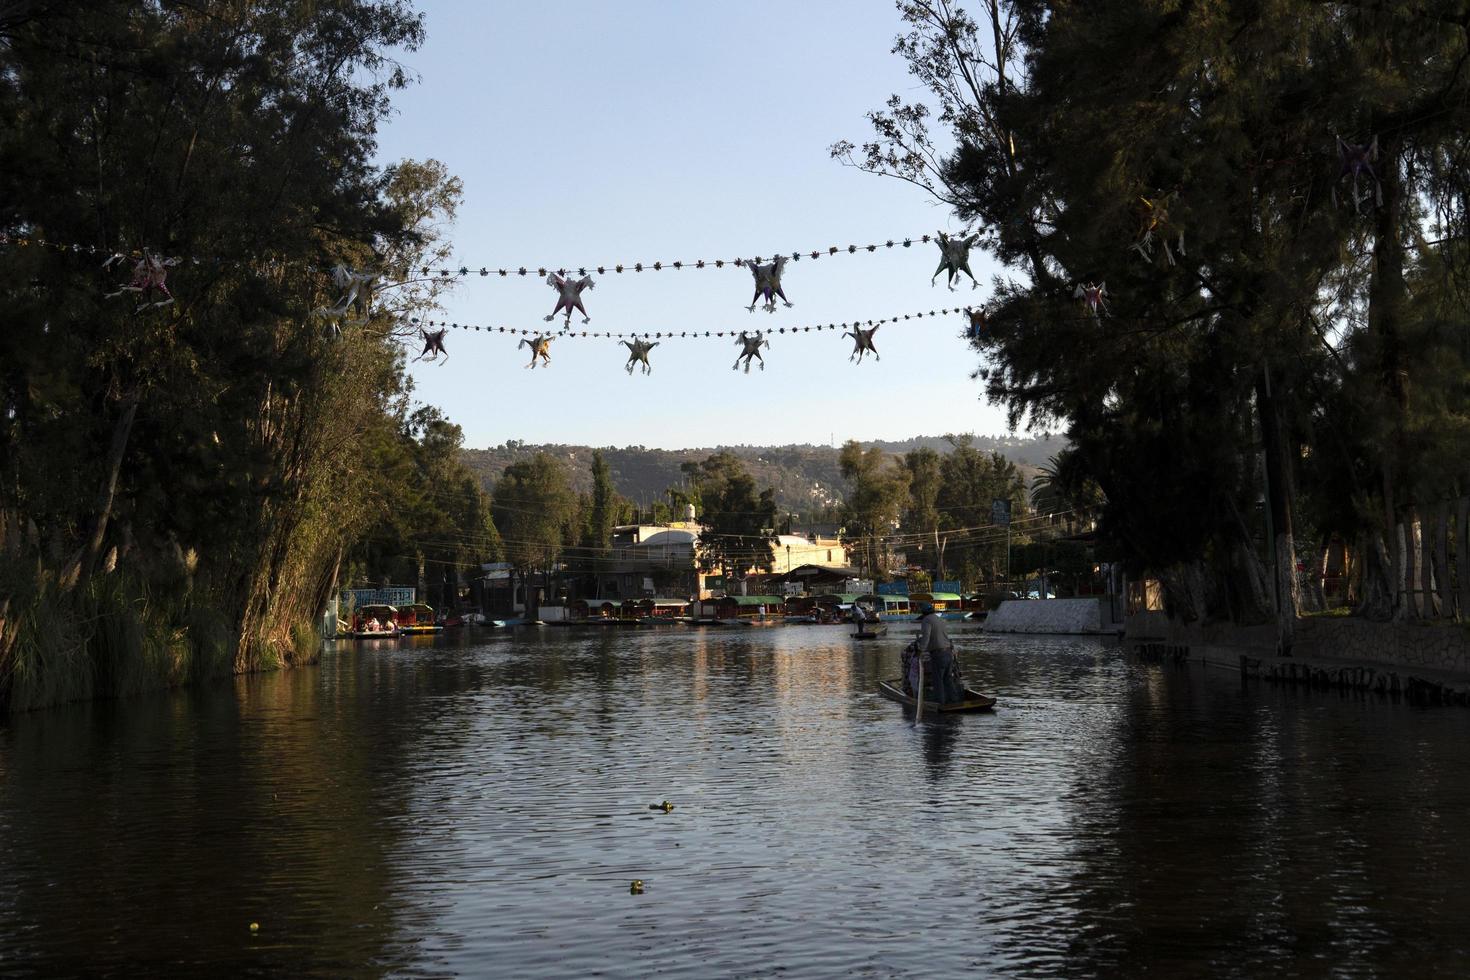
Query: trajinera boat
x=973 y=700
x=417 y=617
x=870 y=631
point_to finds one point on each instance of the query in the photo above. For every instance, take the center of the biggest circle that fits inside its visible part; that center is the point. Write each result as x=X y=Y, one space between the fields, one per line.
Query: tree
x=603 y=506
x=1216 y=361
x=532 y=506
x=920 y=521
x=739 y=522
x=969 y=482
x=433 y=521
x=240 y=141
x=877 y=488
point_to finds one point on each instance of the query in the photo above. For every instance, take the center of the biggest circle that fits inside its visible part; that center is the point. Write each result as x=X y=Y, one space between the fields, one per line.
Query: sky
x=599 y=133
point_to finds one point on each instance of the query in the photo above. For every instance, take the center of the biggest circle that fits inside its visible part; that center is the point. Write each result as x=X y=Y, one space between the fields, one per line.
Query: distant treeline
x=807 y=479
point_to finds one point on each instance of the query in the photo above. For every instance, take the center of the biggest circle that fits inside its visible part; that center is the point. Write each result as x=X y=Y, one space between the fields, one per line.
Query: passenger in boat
x=373 y=625
x=935 y=644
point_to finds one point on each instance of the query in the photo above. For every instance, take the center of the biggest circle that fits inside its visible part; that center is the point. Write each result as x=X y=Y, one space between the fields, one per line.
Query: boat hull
x=871 y=634
x=974 y=700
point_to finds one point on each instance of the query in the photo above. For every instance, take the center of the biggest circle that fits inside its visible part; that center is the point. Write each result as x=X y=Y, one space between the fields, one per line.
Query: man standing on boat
x=935 y=644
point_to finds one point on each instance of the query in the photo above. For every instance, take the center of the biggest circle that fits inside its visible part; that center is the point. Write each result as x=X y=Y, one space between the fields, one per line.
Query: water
x=479 y=806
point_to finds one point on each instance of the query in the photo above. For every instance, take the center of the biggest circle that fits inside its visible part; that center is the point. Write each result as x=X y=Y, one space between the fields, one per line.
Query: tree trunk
x=1403 y=573
x=1185 y=592
x=80 y=567
x=1444 y=596
x=1376 y=601
x=1386 y=295
x=1417 y=542
x=1279 y=485
x=1462 y=555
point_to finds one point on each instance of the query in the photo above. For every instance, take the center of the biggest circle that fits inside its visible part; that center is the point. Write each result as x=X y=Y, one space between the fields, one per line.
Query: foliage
x=1278 y=359
x=431 y=521
x=534 y=508
x=807 y=479
x=920 y=521
x=970 y=481
x=740 y=523
x=877 y=491
x=199 y=461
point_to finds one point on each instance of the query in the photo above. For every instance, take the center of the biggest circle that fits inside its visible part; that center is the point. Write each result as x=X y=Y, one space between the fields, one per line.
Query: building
x=662 y=560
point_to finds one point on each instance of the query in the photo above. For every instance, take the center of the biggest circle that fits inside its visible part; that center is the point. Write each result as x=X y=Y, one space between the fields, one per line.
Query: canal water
x=479 y=805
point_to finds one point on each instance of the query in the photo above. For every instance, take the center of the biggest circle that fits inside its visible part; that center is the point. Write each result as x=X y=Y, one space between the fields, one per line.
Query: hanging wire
x=540 y=271
x=687 y=334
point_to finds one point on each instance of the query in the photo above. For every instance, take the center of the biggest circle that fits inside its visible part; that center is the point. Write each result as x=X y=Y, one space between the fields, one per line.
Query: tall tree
x=970 y=481
x=920 y=522
x=603 y=506
x=739 y=521
x=240 y=141
x=532 y=505
x=877 y=490
x=1225 y=128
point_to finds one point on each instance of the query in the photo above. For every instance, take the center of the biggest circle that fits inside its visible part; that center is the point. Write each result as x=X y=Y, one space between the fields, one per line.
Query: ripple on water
x=465 y=806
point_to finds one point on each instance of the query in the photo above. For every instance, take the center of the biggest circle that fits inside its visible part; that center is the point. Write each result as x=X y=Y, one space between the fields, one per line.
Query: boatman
x=935 y=644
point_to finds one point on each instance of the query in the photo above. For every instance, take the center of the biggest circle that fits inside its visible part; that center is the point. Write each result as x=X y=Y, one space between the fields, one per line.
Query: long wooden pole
x=919 y=710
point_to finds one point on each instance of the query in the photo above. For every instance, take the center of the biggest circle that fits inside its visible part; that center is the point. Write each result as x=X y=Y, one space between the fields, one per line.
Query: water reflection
x=464 y=805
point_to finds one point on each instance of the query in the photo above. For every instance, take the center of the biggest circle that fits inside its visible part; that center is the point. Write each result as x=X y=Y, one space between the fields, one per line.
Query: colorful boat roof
x=753 y=600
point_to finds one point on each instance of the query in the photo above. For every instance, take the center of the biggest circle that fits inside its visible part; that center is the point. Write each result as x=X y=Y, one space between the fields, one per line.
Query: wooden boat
x=386 y=617
x=870 y=631
x=417 y=617
x=750 y=610
x=974 y=700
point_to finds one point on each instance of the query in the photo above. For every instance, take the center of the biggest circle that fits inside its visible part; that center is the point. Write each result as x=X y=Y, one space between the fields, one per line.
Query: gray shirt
x=932 y=634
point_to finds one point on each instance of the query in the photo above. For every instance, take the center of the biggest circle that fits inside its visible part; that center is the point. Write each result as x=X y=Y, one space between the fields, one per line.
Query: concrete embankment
x=1427 y=662
x=1085 y=615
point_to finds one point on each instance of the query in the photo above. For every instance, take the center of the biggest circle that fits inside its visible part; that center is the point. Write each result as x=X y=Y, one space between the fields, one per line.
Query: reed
x=114 y=637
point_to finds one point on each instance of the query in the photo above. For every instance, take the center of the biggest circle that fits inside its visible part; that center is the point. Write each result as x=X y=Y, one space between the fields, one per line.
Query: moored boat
x=657 y=612
x=869 y=631
x=417 y=617
x=374 y=622
x=948 y=605
x=750 y=610
x=973 y=700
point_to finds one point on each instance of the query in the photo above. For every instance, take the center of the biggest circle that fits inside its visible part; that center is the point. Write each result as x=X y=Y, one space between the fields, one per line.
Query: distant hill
x=805 y=477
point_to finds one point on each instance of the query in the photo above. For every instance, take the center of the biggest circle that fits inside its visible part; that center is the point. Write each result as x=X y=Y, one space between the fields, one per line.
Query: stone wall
x=1425 y=645
x=1082 y=615
x=1417 y=644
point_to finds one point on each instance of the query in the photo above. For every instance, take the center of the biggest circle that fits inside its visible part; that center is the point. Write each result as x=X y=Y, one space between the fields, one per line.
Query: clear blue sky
x=598 y=133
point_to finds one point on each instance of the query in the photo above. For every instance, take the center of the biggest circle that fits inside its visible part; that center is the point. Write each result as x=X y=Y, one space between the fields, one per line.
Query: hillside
x=805 y=477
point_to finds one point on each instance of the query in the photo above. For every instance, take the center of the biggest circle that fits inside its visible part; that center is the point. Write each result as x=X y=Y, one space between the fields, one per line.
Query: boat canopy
x=841 y=598
x=754 y=600
x=656 y=604
x=933 y=597
x=377 y=609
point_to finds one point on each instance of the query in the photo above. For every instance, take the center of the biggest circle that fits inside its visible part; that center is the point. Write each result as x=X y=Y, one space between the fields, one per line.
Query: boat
x=801 y=609
x=869 y=631
x=657 y=612
x=949 y=605
x=417 y=617
x=974 y=700
x=750 y=610
x=894 y=608
x=386 y=617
